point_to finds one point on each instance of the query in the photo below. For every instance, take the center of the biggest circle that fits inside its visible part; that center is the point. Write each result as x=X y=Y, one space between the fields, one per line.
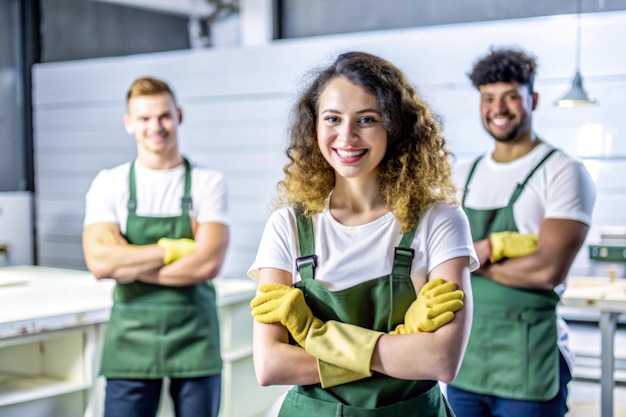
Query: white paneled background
x=237 y=101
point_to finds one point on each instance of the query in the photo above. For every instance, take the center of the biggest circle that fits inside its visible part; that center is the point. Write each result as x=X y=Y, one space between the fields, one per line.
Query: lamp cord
x=578 y=34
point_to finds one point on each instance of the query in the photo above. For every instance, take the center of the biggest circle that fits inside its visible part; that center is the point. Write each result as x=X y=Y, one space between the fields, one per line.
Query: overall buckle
x=303 y=260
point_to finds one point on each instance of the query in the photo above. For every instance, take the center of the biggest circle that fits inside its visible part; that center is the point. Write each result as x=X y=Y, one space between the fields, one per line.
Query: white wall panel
x=236 y=136
x=61 y=185
x=77 y=163
x=609 y=174
x=236 y=103
x=62 y=228
x=56 y=262
x=94 y=117
x=76 y=140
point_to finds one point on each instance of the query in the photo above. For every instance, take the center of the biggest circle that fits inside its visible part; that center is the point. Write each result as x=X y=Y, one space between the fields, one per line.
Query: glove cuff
x=497 y=246
x=342 y=344
x=332 y=375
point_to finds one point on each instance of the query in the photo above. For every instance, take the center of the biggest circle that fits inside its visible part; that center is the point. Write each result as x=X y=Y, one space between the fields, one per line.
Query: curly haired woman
x=364 y=300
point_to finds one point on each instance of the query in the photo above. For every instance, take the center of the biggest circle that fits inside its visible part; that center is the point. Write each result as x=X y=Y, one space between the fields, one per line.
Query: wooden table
x=608 y=296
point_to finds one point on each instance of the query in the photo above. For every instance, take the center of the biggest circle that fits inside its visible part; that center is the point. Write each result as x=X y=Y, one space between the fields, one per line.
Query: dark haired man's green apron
x=512 y=350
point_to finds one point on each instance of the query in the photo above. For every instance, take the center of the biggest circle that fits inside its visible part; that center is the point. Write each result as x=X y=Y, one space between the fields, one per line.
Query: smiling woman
x=351 y=307
x=350 y=131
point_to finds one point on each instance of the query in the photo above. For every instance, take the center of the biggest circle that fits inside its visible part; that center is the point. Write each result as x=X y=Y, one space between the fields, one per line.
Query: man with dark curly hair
x=529 y=207
x=359 y=267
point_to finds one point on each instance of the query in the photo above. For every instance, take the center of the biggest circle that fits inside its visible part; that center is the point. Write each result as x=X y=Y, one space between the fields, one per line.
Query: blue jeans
x=470 y=404
x=192 y=397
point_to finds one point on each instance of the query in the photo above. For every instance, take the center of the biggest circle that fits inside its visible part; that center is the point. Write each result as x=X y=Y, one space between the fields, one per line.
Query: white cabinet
x=48 y=372
x=52 y=323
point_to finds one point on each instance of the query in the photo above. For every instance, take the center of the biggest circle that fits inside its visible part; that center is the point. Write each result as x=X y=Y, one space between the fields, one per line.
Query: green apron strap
x=403 y=255
x=186 y=203
x=307 y=261
x=521 y=185
x=132 y=194
x=469 y=177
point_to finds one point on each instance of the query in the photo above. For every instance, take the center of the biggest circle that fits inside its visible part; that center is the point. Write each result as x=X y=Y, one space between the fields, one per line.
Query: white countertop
x=596 y=293
x=35 y=299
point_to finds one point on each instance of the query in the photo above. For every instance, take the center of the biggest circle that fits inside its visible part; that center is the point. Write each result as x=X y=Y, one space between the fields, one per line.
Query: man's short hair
x=505 y=65
x=148 y=86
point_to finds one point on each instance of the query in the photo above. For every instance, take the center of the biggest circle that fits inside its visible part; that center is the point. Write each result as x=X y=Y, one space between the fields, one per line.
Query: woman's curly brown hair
x=415 y=171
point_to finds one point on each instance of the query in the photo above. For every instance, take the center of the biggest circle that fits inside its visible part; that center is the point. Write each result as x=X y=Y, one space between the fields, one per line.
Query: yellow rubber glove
x=434 y=307
x=511 y=245
x=333 y=375
x=282 y=304
x=176 y=249
x=342 y=344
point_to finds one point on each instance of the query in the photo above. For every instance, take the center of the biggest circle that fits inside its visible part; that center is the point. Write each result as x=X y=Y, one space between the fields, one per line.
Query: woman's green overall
x=378 y=304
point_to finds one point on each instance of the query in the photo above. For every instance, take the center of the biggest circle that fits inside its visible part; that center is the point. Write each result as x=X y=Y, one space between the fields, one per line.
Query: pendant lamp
x=576 y=96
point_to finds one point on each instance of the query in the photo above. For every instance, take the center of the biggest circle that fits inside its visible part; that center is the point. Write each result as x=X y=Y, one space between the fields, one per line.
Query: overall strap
x=132 y=191
x=403 y=255
x=186 y=203
x=307 y=261
x=521 y=185
x=469 y=178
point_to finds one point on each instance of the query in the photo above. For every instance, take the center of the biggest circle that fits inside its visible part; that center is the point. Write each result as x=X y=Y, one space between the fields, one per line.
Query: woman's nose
x=347 y=132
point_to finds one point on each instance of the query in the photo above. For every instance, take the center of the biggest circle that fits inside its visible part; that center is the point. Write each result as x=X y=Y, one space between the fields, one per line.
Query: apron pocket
x=524 y=356
x=543 y=361
x=148 y=341
x=505 y=349
x=190 y=342
x=130 y=345
x=512 y=355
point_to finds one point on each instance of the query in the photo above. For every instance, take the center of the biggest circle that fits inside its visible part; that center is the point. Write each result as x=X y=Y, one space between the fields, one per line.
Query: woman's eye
x=331 y=119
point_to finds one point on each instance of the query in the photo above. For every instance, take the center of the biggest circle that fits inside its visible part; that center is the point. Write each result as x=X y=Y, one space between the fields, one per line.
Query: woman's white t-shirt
x=350 y=255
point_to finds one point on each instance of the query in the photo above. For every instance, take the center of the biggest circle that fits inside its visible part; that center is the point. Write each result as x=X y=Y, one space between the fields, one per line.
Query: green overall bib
x=380 y=305
x=160 y=331
x=512 y=350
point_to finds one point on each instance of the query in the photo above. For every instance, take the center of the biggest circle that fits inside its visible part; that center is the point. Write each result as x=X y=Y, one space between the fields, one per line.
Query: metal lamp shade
x=576 y=96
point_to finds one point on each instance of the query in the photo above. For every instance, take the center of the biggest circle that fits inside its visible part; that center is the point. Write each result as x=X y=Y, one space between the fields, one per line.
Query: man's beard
x=512 y=135
x=508 y=138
